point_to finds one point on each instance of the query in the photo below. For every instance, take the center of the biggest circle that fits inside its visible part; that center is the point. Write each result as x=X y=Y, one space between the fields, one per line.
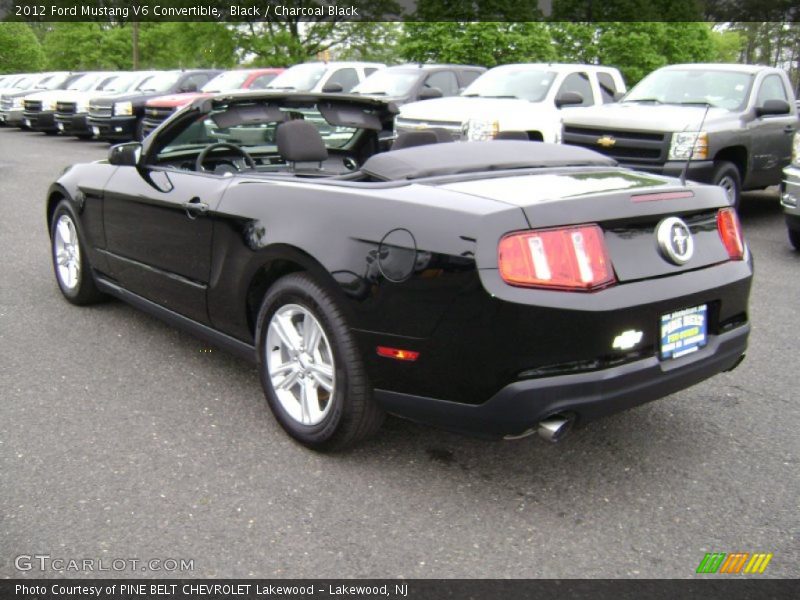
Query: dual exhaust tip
x=552 y=428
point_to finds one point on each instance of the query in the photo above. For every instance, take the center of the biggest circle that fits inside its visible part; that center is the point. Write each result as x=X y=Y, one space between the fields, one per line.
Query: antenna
x=694 y=143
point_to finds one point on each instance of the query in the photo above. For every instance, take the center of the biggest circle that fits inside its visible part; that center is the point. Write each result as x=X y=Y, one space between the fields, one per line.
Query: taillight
x=569 y=258
x=730 y=231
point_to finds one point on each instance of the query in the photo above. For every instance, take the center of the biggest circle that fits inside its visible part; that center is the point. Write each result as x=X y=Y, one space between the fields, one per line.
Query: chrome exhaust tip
x=554 y=428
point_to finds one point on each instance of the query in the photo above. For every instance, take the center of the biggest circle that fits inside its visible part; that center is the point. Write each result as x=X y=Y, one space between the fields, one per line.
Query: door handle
x=195 y=207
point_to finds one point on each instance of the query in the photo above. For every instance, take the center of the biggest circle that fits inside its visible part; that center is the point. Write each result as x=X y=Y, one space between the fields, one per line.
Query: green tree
x=20 y=51
x=171 y=45
x=481 y=43
x=637 y=48
x=85 y=46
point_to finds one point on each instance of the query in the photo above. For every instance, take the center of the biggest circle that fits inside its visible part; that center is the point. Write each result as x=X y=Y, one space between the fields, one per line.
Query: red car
x=157 y=110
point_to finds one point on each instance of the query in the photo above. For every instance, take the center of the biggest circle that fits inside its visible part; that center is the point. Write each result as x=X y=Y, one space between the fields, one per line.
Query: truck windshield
x=719 y=89
x=512 y=82
x=299 y=77
x=387 y=83
x=230 y=80
x=161 y=82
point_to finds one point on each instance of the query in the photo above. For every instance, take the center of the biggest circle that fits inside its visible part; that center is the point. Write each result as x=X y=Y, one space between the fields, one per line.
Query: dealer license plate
x=27 y=122
x=684 y=331
x=96 y=130
x=61 y=127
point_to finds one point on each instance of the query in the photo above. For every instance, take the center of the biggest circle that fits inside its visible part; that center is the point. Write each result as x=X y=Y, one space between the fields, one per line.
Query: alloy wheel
x=300 y=364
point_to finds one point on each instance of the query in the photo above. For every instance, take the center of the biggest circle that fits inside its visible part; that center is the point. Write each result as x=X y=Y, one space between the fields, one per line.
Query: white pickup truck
x=527 y=99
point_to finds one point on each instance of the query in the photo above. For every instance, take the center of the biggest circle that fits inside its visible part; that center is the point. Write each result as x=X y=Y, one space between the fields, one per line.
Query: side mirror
x=773 y=107
x=189 y=88
x=125 y=155
x=568 y=99
x=332 y=88
x=429 y=93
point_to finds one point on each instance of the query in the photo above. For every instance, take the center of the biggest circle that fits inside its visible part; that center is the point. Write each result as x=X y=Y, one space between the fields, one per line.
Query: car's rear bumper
x=520 y=406
x=115 y=128
x=701 y=171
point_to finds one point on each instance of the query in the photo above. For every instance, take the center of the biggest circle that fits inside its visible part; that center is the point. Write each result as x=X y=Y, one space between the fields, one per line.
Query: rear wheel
x=70 y=262
x=794 y=238
x=726 y=176
x=310 y=367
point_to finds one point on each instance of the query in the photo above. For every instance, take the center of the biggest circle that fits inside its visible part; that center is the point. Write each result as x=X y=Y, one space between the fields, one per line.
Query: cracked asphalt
x=123 y=438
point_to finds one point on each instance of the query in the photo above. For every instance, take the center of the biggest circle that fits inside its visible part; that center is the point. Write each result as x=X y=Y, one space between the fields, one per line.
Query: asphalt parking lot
x=123 y=438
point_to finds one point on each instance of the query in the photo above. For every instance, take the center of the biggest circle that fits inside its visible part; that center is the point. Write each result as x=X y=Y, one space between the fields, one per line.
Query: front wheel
x=794 y=238
x=726 y=176
x=70 y=262
x=311 y=369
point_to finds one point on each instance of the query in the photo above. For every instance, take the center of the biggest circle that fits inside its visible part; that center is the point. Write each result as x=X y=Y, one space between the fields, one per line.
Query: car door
x=771 y=135
x=159 y=224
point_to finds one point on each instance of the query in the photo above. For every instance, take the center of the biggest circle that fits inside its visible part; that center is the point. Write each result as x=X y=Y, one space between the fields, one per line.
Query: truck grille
x=33 y=106
x=103 y=112
x=158 y=113
x=65 y=108
x=406 y=125
x=640 y=147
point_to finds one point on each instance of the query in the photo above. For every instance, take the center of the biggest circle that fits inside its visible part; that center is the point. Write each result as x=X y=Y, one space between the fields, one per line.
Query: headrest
x=300 y=141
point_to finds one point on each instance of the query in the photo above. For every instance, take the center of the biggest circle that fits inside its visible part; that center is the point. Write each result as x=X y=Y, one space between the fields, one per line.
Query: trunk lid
x=628 y=206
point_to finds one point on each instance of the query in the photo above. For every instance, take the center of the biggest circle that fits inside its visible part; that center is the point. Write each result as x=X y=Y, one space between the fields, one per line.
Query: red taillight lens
x=730 y=231
x=571 y=258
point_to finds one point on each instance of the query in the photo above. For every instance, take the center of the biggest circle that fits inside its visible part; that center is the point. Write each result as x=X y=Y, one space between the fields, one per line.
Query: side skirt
x=217 y=338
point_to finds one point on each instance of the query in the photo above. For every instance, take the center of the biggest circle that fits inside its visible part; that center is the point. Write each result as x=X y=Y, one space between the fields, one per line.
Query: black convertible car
x=498 y=288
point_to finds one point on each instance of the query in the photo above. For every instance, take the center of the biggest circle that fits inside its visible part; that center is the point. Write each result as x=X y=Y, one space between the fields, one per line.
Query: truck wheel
x=794 y=237
x=311 y=368
x=726 y=176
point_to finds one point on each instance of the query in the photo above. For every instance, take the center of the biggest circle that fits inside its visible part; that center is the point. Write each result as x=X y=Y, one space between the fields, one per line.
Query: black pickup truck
x=120 y=117
x=734 y=123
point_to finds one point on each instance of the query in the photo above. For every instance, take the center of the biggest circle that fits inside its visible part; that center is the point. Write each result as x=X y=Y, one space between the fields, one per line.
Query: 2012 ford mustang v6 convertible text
x=496 y=288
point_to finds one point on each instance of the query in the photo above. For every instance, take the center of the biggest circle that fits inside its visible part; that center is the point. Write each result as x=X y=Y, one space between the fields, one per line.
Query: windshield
x=232 y=80
x=255 y=135
x=53 y=82
x=300 y=77
x=720 y=89
x=161 y=82
x=86 y=82
x=512 y=82
x=122 y=82
x=387 y=83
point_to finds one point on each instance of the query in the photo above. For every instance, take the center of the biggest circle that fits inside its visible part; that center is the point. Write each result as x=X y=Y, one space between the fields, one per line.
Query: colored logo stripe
x=722 y=562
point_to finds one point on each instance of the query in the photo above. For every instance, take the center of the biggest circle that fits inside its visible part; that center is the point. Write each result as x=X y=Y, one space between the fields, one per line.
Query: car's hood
x=174 y=100
x=649 y=117
x=461 y=108
x=125 y=97
x=78 y=96
x=45 y=95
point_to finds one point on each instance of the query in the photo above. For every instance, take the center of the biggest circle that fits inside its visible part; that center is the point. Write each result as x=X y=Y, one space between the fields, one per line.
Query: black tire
x=353 y=415
x=727 y=176
x=794 y=238
x=84 y=291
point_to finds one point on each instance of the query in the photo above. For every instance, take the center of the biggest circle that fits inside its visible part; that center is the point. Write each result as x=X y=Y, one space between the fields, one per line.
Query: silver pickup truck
x=733 y=122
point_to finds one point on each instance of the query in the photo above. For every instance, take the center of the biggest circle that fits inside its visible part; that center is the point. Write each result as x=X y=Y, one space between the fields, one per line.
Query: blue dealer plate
x=684 y=331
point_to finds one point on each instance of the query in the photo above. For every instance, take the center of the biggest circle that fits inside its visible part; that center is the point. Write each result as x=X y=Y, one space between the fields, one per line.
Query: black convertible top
x=475 y=157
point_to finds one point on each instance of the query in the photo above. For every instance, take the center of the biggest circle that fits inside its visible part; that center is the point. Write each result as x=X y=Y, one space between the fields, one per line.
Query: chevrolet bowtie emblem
x=606 y=141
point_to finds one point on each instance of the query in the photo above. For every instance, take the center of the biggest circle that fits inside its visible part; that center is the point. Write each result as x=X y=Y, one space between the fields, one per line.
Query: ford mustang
x=497 y=288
